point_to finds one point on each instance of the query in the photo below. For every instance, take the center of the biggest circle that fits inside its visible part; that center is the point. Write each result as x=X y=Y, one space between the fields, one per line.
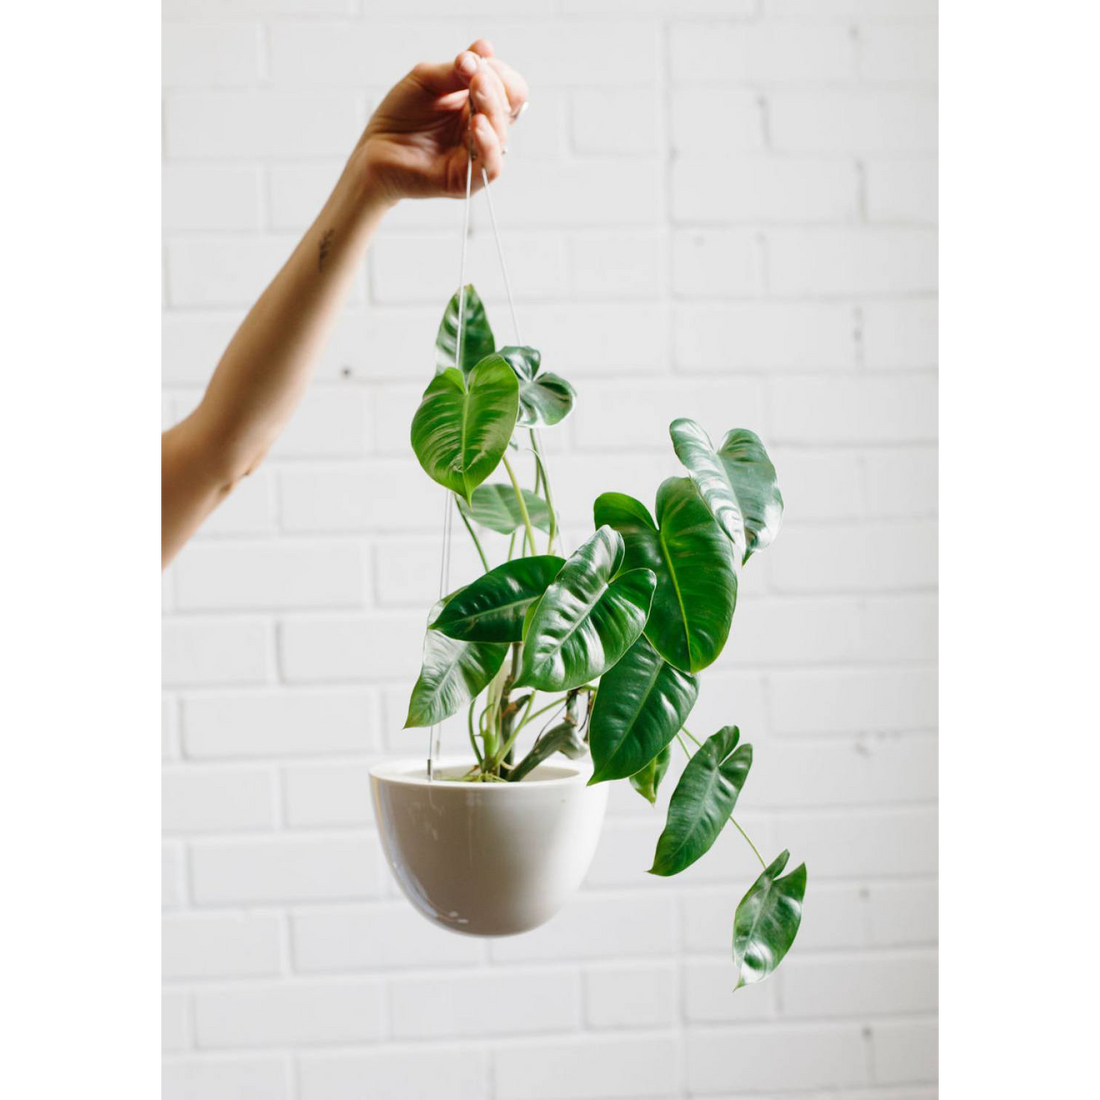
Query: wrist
x=369 y=190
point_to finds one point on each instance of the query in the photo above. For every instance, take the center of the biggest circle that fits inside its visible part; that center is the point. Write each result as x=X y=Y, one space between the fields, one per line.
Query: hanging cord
x=435 y=731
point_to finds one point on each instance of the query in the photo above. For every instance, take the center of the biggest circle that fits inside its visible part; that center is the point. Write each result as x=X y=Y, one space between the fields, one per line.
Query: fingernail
x=468 y=64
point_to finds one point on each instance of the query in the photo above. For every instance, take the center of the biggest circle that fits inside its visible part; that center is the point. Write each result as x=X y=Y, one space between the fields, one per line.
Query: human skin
x=414 y=146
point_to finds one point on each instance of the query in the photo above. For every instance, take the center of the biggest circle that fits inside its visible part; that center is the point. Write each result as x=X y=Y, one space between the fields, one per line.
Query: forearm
x=269 y=362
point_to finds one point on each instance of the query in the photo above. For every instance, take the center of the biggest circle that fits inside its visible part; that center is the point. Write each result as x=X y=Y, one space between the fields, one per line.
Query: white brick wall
x=717 y=208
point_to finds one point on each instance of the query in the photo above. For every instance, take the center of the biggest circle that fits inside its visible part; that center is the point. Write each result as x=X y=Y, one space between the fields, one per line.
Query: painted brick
x=192 y=344
x=499 y=1003
x=903 y=913
x=764 y=189
x=902 y=191
x=375 y=937
x=215 y=652
x=209 y=198
x=395 y=1073
x=607 y=1066
x=841 y=985
x=899 y=335
x=248 y=510
x=328 y=794
x=200 y=800
x=773 y=53
x=717 y=263
x=901 y=482
x=244 y=125
x=175 y=1022
x=227 y=1079
x=765 y=336
x=326 y=868
x=754 y=1057
x=284 y=723
x=704 y=119
x=863 y=121
x=298 y=1013
x=850 y=261
x=629 y=996
x=605 y=121
x=341 y=649
x=211 y=55
x=173 y=886
x=331 y=421
x=904 y=1052
x=901 y=54
x=221 y=945
x=709 y=992
x=616 y=265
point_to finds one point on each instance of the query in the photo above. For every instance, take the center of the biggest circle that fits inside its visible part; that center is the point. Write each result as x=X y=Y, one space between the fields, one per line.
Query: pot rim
x=401 y=769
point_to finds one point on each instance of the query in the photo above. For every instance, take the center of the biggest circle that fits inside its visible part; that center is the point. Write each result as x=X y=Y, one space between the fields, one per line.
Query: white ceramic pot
x=487 y=859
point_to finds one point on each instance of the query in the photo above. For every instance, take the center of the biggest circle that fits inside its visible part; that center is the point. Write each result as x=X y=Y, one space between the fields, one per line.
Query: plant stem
x=698 y=743
x=750 y=843
x=477 y=543
x=473 y=736
x=522 y=504
x=542 y=710
x=540 y=466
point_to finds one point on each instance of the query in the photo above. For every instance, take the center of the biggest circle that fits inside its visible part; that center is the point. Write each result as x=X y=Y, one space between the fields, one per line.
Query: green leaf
x=477 y=336
x=495 y=506
x=451 y=674
x=491 y=609
x=460 y=431
x=767 y=921
x=544 y=399
x=648 y=779
x=587 y=619
x=703 y=801
x=694 y=565
x=737 y=482
x=642 y=703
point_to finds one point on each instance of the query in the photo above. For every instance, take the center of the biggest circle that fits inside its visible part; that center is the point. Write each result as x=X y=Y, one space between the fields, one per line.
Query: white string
x=435 y=731
x=500 y=255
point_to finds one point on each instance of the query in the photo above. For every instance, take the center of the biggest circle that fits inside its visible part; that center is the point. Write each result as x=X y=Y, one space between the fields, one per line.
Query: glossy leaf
x=462 y=428
x=587 y=619
x=544 y=399
x=451 y=674
x=767 y=921
x=694 y=565
x=703 y=801
x=477 y=336
x=491 y=609
x=737 y=482
x=647 y=780
x=495 y=506
x=641 y=705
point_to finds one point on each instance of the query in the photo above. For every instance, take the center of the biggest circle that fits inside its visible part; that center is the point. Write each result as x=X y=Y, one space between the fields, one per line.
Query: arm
x=413 y=146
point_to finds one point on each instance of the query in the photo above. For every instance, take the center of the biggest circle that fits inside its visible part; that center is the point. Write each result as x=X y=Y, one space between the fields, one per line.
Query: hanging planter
x=487 y=859
x=554 y=656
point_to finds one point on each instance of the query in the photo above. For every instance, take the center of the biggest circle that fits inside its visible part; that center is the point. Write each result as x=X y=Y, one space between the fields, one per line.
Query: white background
x=724 y=211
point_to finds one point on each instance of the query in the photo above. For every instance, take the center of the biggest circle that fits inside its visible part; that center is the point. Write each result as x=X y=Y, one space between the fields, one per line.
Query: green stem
x=477 y=543
x=522 y=504
x=473 y=736
x=698 y=743
x=749 y=841
x=529 y=717
x=541 y=466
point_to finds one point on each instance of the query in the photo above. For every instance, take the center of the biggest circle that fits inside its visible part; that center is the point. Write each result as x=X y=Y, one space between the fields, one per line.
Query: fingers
x=491 y=101
x=482 y=47
x=445 y=77
x=490 y=150
x=515 y=87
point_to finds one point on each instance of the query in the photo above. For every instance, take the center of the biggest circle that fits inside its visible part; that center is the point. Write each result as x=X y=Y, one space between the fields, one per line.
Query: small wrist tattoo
x=323 y=251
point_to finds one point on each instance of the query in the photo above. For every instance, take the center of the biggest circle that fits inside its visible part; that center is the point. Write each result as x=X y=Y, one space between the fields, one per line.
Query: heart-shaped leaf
x=462 y=428
x=648 y=779
x=495 y=506
x=641 y=705
x=491 y=609
x=477 y=336
x=737 y=482
x=694 y=565
x=451 y=674
x=544 y=399
x=767 y=921
x=587 y=619
x=703 y=801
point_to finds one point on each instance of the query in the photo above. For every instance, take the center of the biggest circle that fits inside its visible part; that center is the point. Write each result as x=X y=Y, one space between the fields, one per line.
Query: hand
x=415 y=145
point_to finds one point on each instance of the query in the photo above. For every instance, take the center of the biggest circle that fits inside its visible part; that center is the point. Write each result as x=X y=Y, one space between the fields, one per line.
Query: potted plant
x=597 y=650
